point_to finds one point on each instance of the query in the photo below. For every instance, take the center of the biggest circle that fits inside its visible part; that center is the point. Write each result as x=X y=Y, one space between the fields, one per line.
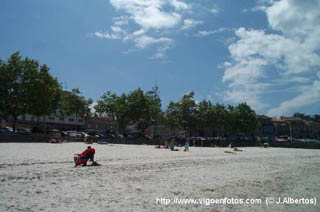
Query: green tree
x=247 y=119
x=182 y=114
x=241 y=119
x=154 y=104
x=172 y=116
x=26 y=88
x=232 y=120
x=47 y=94
x=74 y=103
x=137 y=106
x=219 y=116
x=204 y=117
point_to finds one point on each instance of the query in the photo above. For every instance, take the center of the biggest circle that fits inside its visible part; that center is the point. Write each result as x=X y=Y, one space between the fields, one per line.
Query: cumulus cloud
x=150 y=14
x=308 y=95
x=179 y=5
x=289 y=56
x=151 y=17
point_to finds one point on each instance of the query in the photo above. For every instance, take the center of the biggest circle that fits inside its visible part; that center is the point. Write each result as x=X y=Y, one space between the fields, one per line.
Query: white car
x=82 y=134
x=72 y=133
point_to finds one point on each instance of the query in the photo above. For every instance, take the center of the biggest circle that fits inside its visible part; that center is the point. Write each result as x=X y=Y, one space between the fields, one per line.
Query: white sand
x=41 y=177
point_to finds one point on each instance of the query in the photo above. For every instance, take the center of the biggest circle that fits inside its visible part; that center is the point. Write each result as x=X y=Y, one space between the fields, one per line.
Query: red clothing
x=83 y=154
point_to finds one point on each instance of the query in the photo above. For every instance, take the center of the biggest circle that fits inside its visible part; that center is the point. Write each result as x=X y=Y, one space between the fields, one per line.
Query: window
x=71 y=119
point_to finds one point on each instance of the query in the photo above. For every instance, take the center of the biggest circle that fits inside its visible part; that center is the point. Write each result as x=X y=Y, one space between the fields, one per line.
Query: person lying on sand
x=237 y=150
x=161 y=147
x=230 y=152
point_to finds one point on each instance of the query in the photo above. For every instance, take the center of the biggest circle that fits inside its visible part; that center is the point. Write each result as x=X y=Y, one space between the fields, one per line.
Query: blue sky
x=263 y=52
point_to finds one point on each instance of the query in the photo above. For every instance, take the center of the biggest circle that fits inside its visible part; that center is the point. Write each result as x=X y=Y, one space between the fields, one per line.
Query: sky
x=263 y=52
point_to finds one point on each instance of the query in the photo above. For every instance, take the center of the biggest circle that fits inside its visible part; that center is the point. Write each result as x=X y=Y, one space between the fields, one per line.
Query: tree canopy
x=26 y=88
x=74 y=102
x=137 y=106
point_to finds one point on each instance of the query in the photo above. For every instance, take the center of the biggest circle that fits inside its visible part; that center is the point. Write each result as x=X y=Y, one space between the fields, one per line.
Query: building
x=266 y=127
x=100 y=124
x=297 y=127
x=50 y=122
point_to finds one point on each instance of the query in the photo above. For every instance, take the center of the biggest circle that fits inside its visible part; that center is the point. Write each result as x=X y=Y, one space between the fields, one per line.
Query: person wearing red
x=88 y=154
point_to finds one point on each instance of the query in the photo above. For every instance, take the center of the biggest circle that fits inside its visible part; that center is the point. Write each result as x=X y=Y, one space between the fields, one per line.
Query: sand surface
x=41 y=177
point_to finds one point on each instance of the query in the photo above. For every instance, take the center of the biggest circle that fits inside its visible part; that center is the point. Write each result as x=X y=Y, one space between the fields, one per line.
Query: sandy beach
x=41 y=177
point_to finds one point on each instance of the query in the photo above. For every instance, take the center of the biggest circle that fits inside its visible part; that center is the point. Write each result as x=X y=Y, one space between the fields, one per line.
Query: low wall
x=40 y=138
x=303 y=145
x=32 y=138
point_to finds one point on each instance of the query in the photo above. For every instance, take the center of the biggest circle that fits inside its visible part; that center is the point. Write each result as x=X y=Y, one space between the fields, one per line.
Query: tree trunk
x=76 y=122
x=14 y=121
x=45 y=124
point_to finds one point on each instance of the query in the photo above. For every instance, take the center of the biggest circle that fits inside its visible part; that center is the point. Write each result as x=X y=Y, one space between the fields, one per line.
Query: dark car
x=23 y=131
x=4 y=129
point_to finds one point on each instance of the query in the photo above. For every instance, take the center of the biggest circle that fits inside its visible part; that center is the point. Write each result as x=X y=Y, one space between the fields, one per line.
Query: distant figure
x=186 y=145
x=88 y=154
x=237 y=150
x=166 y=144
x=172 y=143
x=230 y=152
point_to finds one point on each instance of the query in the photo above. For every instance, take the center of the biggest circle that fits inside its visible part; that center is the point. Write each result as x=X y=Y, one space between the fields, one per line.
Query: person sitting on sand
x=88 y=154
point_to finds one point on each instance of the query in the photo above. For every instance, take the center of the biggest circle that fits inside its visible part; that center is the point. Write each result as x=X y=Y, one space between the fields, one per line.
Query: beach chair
x=78 y=161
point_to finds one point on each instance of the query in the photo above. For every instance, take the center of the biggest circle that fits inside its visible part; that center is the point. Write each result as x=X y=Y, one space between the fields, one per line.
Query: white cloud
x=212 y=32
x=108 y=35
x=289 y=57
x=161 y=52
x=179 y=5
x=309 y=95
x=144 y=41
x=215 y=11
x=151 y=17
x=190 y=23
x=150 y=14
x=119 y=21
x=245 y=84
x=294 y=18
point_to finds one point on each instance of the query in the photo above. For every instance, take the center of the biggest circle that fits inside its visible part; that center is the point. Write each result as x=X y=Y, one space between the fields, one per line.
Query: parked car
x=82 y=134
x=10 y=129
x=5 y=130
x=133 y=136
x=100 y=135
x=72 y=133
x=23 y=131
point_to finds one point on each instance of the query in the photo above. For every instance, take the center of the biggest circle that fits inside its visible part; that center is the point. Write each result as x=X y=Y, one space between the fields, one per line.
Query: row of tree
x=28 y=88
x=190 y=116
x=185 y=115
x=139 y=106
